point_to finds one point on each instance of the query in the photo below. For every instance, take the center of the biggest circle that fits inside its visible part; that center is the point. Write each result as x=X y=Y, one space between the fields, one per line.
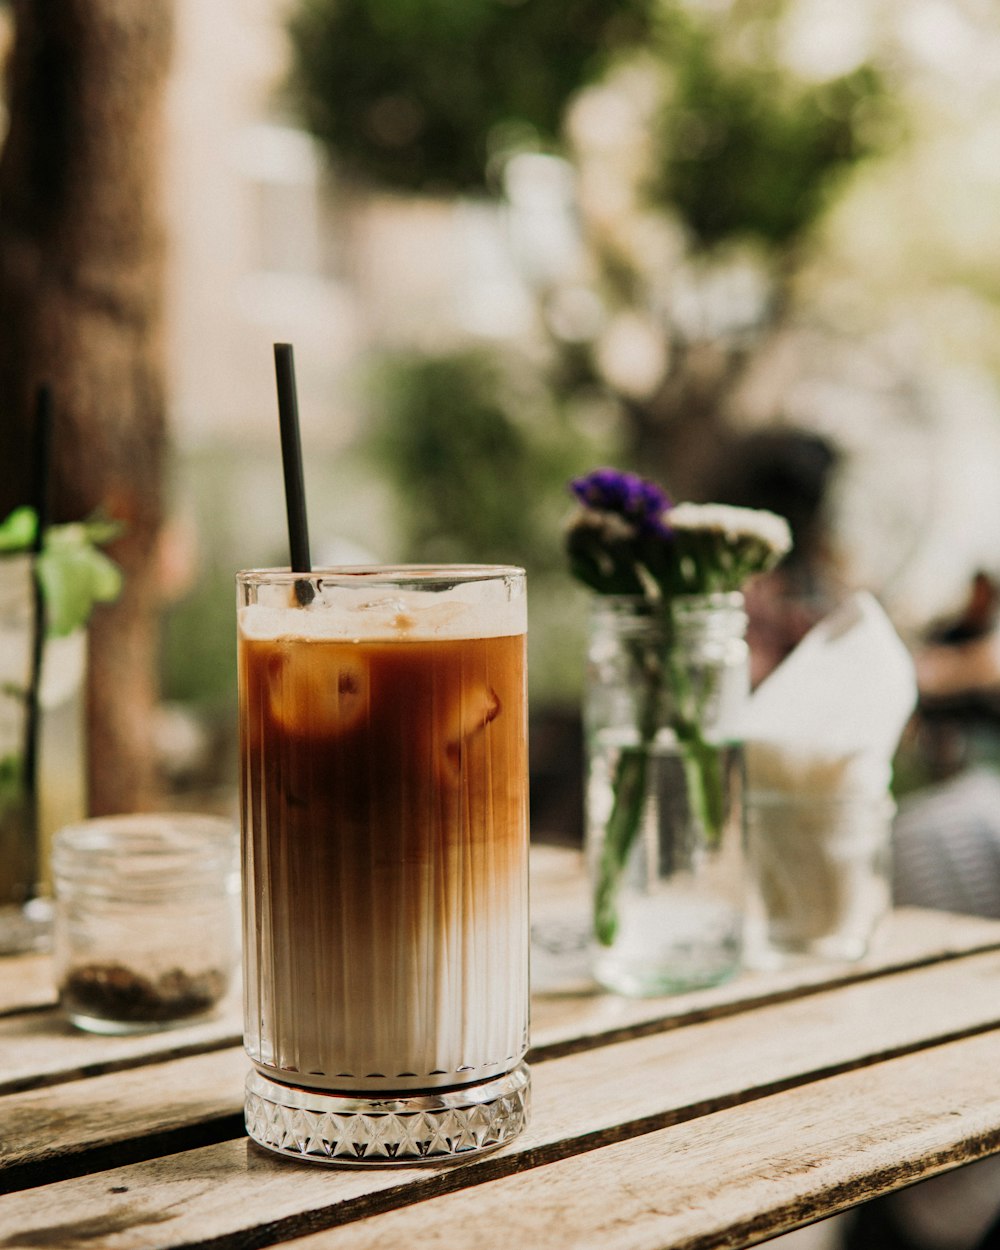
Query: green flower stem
x=701 y=761
x=703 y=774
x=619 y=836
x=629 y=794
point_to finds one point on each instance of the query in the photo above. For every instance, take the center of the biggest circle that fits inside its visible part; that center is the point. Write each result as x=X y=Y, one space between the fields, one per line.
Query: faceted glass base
x=321 y=1127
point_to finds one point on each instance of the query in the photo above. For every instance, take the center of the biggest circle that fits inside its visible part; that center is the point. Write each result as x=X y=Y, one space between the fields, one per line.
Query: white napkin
x=829 y=718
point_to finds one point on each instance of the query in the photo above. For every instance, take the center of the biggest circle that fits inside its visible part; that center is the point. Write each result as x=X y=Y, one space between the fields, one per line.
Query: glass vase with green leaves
x=666 y=679
x=47 y=593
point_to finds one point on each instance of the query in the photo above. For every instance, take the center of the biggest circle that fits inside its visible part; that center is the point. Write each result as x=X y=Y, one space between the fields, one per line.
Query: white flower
x=735 y=525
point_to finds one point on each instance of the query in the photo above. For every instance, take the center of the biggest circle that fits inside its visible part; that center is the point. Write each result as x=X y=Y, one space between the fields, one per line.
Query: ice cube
x=470 y=714
x=311 y=695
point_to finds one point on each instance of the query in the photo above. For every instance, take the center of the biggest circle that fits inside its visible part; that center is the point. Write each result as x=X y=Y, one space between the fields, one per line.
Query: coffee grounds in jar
x=115 y=992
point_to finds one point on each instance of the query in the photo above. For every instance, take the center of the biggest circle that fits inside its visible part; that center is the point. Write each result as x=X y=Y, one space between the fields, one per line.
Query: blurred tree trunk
x=677 y=435
x=81 y=277
x=681 y=432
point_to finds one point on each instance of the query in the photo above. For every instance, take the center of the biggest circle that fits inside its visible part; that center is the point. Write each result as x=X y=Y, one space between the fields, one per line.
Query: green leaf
x=74 y=576
x=17 y=533
x=99 y=529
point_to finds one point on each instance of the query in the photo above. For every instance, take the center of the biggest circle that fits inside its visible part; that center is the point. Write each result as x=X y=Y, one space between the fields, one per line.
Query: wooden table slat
x=41 y=1048
x=55 y=1125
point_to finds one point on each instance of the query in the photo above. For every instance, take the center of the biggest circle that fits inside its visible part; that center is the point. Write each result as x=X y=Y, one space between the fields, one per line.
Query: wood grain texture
x=731 y=1179
x=716 y=1119
x=47 y=1127
x=26 y=983
x=616 y=1097
x=41 y=1048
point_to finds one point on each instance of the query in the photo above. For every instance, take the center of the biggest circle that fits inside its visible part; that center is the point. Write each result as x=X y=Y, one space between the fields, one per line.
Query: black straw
x=291 y=458
x=40 y=499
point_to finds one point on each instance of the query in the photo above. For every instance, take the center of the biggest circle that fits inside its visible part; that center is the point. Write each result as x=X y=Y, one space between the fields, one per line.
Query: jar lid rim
x=154 y=849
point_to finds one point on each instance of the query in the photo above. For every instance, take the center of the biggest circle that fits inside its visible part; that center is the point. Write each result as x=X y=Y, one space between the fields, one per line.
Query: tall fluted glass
x=384 y=803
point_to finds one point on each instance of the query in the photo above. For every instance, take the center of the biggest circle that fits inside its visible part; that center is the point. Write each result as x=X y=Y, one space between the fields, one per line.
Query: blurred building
x=244 y=209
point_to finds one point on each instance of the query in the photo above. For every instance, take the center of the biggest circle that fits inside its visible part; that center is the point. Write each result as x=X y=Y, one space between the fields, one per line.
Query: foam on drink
x=383 y=759
x=370 y=612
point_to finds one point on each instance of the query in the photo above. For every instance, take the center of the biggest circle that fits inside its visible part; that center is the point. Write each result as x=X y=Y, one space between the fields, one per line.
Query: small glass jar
x=147 y=920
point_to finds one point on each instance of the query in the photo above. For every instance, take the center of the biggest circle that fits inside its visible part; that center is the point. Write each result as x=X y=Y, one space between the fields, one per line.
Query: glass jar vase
x=664 y=692
x=42 y=754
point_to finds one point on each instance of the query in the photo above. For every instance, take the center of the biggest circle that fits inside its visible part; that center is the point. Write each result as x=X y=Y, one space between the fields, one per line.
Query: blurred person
x=788 y=471
x=962 y=656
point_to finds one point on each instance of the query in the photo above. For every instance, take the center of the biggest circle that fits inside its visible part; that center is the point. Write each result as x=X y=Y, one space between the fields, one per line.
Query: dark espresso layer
x=384 y=790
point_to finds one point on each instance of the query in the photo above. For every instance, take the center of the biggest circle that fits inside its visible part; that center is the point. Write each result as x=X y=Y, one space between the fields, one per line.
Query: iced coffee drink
x=384 y=795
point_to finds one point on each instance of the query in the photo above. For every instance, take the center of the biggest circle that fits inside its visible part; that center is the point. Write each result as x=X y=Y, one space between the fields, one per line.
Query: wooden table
x=714 y=1119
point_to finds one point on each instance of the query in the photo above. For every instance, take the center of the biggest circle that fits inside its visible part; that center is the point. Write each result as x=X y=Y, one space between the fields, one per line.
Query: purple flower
x=634 y=498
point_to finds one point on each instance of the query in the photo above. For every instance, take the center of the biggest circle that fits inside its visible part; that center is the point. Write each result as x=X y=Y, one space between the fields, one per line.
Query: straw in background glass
x=40 y=474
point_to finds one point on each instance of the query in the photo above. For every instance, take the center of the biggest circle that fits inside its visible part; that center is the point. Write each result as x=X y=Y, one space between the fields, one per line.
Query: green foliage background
x=479 y=451
x=749 y=152
x=421 y=94
x=478 y=457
